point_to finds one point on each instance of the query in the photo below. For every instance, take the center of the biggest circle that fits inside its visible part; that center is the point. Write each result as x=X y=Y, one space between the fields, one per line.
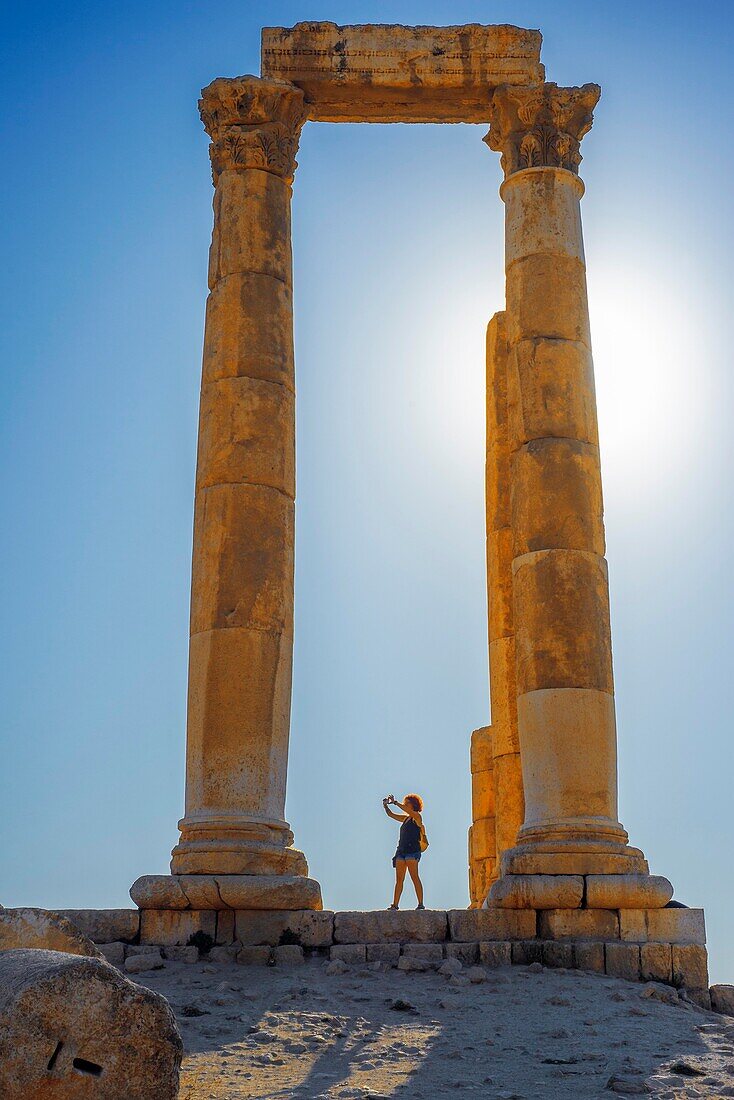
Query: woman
x=409 y=844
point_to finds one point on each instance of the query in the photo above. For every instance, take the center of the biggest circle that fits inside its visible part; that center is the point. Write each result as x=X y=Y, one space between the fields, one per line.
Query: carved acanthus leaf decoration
x=540 y=126
x=253 y=123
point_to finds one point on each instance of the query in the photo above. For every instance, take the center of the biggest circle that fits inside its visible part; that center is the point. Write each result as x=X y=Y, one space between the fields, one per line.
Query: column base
x=221 y=845
x=221 y=892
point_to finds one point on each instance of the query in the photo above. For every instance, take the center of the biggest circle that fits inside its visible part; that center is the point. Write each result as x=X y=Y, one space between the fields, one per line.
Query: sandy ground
x=277 y=1033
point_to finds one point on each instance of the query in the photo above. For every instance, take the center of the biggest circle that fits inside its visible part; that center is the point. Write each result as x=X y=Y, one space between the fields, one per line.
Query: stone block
x=527 y=952
x=482 y=925
x=690 y=967
x=201 y=891
x=656 y=962
x=578 y=924
x=556 y=953
x=222 y=954
x=143 y=949
x=66 y=1020
x=225 y=926
x=481 y=749
x=351 y=953
x=622 y=960
x=542 y=216
x=140 y=964
x=253 y=956
x=44 y=930
x=521 y=862
x=386 y=926
x=483 y=844
x=465 y=953
x=503 y=692
x=722 y=999
x=538 y=892
x=427 y=952
x=482 y=797
x=627 y=891
x=308 y=927
x=562 y=632
x=499 y=583
x=158 y=892
x=556 y=497
x=589 y=956
x=288 y=955
x=551 y=392
x=383 y=952
x=105 y=925
x=185 y=954
x=249 y=330
x=252 y=227
x=113 y=952
x=546 y=298
x=663 y=925
x=173 y=928
x=509 y=798
x=495 y=953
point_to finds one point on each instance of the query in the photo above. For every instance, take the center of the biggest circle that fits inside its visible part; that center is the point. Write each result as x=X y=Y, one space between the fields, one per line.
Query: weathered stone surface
x=252 y=227
x=465 y=953
x=113 y=952
x=225 y=926
x=589 y=956
x=494 y=954
x=527 y=952
x=578 y=924
x=428 y=952
x=520 y=862
x=57 y=1008
x=537 y=892
x=482 y=925
x=187 y=954
x=270 y=892
x=312 y=929
x=690 y=966
x=556 y=953
x=105 y=925
x=139 y=964
x=158 y=892
x=249 y=330
x=627 y=891
x=288 y=955
x=201 y=891
x=383 y=952
x=663 y=925
x=722 y=999
x=546 y=297
x=509 y=799
x=39 y=928
x=556 y=497
x=543 y=216
x=352 y=953
x=384 y=73
x=551 y=392
x=622 y=960
x=656 y=962
x=170 y=927
x=427 y=926
x=538 y=130
x=253 y=956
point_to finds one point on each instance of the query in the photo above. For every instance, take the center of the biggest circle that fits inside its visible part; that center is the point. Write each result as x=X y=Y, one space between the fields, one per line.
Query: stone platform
x=664 y=945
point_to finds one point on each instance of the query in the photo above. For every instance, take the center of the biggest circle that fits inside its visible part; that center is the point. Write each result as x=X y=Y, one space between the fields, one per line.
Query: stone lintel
x=392 y=73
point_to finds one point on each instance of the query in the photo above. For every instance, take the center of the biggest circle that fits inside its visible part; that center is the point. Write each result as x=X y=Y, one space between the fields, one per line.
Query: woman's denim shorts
x=408 y=855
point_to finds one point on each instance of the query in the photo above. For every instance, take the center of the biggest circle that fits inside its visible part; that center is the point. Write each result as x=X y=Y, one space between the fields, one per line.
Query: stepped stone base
x=226 y=892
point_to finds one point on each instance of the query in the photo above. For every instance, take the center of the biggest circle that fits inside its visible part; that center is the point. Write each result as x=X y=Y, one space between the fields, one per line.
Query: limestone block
x=627 y=891
x=546 y=297
x=663 y=925
x=105 y=925
x=483 y=838
x=249 y=330
x=589 y=956
x=223 y=953
x=503 y=696
x=722 y=999
x=481 y=749
x=252 y=226
x=537 y=892
x=578 y=924
x=690 y=966
x=383 y=952
x=465 y=953
x=482 y=795
x=201 y=891
x=141 y=964
x=527 y=952
x=561 y=615
x=482 y=925
x=499 y=513
x=428 y=952
x=568 y=738
x=143 y=949
x=65 y=1021
x=253 y=956
x=522 y=862
x=656 y=962
x=509 y=799
x=387 y=73
x=556 y=497
x=113 y=952
x=247 y=434
x=39 y=928
x=623 y=961
x=225 y=926
x=498 y=351
x=543 y=215
x=499 y=583
x=270 y=892
x=243 y=559
x=557 y=953
x=551 y=392
x=494 y=954
x=352 y=953
x=173 y=928
x=158 y=892
x=416 y=926
x=310 y=928
x=288 y=955
x=187 y=954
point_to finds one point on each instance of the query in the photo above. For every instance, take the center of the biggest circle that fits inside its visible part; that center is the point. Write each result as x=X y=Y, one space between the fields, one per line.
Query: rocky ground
x=522 y=1032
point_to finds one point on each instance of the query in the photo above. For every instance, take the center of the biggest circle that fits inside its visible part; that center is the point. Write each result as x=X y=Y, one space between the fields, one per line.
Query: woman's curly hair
x=416 y=802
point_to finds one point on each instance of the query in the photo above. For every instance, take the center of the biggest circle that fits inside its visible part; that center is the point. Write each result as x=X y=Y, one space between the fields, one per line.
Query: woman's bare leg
x=413 y=870
x=399 y=880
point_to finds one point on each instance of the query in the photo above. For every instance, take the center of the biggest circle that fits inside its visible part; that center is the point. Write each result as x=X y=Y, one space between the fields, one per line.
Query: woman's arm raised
x=395 y=817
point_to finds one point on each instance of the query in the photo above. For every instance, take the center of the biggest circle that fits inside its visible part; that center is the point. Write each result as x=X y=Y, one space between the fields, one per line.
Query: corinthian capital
x=540 y=125
x=253 y=123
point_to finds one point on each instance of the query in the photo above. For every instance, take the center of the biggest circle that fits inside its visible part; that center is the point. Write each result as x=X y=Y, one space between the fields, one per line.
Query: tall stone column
x=241 y=644
x=560 y=597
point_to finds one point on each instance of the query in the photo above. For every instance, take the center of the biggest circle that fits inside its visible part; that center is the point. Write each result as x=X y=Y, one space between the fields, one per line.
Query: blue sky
x=398 y=267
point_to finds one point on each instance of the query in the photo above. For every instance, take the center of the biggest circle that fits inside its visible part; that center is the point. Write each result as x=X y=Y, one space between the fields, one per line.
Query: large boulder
x=73 y=1028
x=40 y=929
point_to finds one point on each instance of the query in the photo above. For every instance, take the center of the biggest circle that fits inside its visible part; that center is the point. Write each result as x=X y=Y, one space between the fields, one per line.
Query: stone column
x=560 y=598
x=241 y=644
